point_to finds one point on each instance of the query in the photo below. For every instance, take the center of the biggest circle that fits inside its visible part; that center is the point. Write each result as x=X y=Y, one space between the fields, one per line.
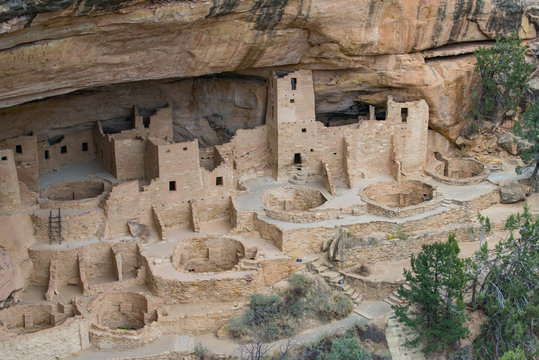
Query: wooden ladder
x=55 y=227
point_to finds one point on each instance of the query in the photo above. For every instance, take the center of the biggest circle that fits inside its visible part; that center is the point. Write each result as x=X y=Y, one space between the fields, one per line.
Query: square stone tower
x=291 y=123
x=10 y=196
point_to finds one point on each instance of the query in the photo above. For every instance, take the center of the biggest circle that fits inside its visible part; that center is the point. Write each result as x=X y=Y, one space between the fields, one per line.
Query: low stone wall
x=228 y=286
x=464 y=172
x=372 y=250
x=106 y=338
x=52 y=343
x=198 y=323
x=76 y=224
x=303 y=216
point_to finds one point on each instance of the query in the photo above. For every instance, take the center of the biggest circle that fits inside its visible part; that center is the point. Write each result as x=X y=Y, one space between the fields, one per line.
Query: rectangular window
x=219 y=181
x=294 y=83
x=84 y=146
x=292 y=101
x=63 y=149
x=18 y=149
x=185 y=149
x=172 y=185
x=404 y=114
x=4 y=158
x=146 y=121
x=46 y=154
x=304 y=130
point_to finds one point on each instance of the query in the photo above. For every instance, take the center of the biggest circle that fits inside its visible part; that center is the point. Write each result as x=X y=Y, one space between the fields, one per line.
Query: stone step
x=362 y=313
x=387 y=301
x=355 y=296
x=396 y=294
x=359 y=300
x=330 y=274
x=395 y=299
x=297 y=182
x=321 y=269
x=345 y=287
x=406 y=286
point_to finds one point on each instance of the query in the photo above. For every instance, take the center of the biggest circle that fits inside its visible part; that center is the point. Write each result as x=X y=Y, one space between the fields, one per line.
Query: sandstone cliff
x=360 y=51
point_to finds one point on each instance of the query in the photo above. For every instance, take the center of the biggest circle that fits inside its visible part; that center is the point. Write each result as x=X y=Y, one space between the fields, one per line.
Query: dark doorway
x=294 y=83
x=404 y=114
x=297 y=158
x=172 y=186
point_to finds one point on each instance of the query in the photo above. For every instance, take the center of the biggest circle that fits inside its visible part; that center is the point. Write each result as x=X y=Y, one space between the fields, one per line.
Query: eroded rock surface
x=360 y=51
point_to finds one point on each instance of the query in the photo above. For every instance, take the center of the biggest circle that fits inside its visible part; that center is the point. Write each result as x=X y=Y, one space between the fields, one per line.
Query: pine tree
x=435 y=307
x=508 y=295
x=502 y=74
x=527 y=127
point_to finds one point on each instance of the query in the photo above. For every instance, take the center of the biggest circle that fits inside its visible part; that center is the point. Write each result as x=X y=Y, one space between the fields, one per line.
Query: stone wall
x=52 y=343
x=26 y=159
x=66 y=149
x=10 y=196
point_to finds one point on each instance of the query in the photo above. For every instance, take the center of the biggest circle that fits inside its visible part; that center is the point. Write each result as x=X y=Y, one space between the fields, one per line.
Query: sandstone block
x=511 y=191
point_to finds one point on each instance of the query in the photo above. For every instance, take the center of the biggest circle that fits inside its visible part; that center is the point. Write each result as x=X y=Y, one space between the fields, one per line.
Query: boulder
x=508 y=142
x=511 y=191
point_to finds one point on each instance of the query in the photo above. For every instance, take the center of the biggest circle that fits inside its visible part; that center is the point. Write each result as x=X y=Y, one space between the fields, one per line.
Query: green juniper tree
x=508 y=295
x=502 y=74
x=527 y=127
x=435 y=307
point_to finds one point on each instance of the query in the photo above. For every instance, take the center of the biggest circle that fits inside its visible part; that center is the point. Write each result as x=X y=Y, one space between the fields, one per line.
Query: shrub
x=237 y=327
x=336 y=308
x=347 y=348
x=201 y=352
x=263 y=309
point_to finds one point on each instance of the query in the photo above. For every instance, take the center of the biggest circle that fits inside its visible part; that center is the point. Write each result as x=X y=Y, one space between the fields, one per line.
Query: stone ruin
x=165 y=237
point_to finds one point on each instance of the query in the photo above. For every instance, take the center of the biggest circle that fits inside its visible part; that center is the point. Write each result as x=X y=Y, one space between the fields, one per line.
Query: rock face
x=360 y=50
x=511 y=191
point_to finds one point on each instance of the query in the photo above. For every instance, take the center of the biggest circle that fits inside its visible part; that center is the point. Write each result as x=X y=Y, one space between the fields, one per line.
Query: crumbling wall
x=10 y=196
x=26 y=159
x=67 y=149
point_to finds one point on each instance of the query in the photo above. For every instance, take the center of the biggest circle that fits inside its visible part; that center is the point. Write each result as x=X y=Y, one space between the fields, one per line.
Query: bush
x=237 y=327
x=336 y=308
x=201 y=352
x=347 y=348
x=263 y=309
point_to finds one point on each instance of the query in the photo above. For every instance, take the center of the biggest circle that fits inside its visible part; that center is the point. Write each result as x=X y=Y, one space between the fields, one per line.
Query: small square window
x=172 y=185
x=63 y=149
x=294 y=83
x=292 y=101
x=404 y=114
x=219 y=181
x=185 y=148
x=312 y=150
x=146 y=121
x=4 y=158
x=304 y=130
x=18 y=149
x=84 y=146
x=46 y=154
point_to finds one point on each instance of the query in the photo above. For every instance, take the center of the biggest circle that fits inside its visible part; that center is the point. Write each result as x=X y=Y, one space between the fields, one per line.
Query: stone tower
x=291 y=122
x=10 y=196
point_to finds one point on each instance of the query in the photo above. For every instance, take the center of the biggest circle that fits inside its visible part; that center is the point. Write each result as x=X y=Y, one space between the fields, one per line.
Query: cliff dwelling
x=149 y=194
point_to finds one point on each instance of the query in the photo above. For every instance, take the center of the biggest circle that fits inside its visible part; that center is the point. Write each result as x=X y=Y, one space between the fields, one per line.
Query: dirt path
x=227 y=347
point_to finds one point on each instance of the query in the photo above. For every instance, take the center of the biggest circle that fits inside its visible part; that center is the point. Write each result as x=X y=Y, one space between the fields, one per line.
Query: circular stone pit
x=458 y=171
x=296 y=204
x=123 y=320
x=74 y=190
x=207 y=254
x=400 y=199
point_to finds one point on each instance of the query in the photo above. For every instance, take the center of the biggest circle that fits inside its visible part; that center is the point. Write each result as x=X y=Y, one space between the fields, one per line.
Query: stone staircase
x=394 y=299
x=247 y=264
x=335 y=280
x=299 y=178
